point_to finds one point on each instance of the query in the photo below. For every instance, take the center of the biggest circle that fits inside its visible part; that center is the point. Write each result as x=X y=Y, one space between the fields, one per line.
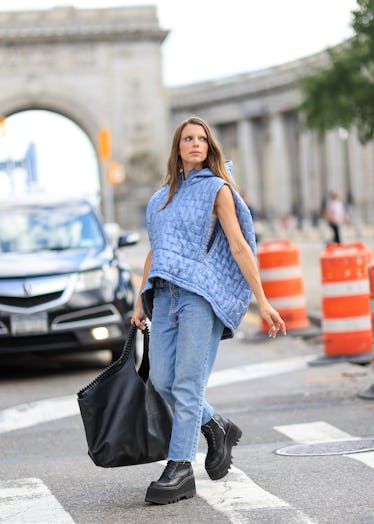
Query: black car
x=64 y=285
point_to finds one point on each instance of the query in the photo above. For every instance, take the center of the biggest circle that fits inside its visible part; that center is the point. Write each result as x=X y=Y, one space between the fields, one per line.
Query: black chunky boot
x=221 y=435
x=176 y=482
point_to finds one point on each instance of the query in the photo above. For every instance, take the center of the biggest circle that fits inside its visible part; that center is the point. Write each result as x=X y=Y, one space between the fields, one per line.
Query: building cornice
x=247 y=85
x=80 y=25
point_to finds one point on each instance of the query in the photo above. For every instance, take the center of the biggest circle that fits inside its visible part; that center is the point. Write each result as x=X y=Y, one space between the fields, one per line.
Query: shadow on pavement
x=39 y=364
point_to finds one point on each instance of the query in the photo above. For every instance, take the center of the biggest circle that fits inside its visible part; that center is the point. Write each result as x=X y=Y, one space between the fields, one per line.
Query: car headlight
x=88 y=281
x=104 y=280
x=109 y=282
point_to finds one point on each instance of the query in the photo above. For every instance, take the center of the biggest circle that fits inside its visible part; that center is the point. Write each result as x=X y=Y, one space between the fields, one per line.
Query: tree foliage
x=342 y=94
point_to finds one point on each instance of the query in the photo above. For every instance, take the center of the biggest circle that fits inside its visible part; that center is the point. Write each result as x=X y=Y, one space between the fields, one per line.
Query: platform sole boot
x=177 y=482
x=221 y=436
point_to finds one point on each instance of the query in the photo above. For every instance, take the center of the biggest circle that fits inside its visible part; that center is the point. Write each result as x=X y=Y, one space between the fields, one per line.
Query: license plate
x=27 y=324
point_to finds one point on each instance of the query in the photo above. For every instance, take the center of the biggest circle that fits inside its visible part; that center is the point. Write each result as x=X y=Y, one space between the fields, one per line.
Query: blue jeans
x=185 y=335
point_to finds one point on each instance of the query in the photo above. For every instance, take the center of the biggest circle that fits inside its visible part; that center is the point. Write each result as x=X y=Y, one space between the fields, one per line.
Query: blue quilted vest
x=187 y=253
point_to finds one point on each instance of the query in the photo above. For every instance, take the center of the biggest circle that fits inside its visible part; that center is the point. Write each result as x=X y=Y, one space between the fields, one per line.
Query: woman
x=198 y=280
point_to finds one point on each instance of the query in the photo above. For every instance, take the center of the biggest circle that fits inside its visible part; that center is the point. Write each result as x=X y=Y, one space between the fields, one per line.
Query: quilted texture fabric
x=183 y=254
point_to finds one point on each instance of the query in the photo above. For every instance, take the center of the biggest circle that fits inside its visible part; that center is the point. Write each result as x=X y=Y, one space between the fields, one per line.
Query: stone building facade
x=102 y=69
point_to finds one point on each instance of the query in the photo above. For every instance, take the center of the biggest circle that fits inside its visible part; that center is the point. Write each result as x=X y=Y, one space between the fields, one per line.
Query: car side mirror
x=130 y=238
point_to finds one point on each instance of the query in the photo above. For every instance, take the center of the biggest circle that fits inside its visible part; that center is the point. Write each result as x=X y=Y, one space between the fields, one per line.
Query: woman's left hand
x=273 y=319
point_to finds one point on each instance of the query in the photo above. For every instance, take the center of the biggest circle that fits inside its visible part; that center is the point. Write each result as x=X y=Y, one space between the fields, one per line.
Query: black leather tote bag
x=125 y=420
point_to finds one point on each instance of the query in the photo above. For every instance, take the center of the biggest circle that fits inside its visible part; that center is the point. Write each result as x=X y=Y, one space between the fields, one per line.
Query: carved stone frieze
x=63 y=24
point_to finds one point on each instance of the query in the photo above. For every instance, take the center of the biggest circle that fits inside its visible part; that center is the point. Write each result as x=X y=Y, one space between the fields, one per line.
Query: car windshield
x=36 y=228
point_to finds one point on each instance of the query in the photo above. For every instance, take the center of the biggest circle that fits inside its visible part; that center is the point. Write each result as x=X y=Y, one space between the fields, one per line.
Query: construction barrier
x=346 y=322
x=371 y=287
x=281 y=276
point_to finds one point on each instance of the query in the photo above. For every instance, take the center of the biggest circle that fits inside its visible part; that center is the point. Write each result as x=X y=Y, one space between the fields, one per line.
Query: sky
x=208 y=39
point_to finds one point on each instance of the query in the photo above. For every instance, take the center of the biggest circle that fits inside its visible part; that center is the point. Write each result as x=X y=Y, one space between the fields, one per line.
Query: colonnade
x=284 y=168
x=288 y=170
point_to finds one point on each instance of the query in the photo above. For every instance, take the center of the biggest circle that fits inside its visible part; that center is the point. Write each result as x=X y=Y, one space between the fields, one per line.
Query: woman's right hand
x=272 y=318
x=138 y=317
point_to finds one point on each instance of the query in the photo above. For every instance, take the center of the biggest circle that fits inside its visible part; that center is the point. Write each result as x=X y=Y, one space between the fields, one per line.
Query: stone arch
x=101 y=69
x=66 y=106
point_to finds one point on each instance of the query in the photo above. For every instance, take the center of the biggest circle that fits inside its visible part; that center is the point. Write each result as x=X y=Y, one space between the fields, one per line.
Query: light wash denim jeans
x=185 y=335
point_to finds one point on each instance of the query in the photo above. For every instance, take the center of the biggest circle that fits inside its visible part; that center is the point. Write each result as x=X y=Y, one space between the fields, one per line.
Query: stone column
x=367 y=173
x=335 y=165
x=306 y=174
x=361 y=164
x=248 y=162
x=278 y=177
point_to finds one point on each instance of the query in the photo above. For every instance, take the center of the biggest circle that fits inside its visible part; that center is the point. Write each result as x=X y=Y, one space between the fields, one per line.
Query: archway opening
x=44 y=152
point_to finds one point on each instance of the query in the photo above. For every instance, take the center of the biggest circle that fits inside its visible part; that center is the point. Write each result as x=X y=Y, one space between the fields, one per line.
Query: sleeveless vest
x=186 y=252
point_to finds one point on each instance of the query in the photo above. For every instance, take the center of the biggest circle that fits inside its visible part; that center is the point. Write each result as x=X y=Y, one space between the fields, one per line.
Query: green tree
x=342 y=94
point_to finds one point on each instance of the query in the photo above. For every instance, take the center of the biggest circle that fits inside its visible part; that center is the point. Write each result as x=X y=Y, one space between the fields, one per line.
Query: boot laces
x=172 y=465
x=209 y=435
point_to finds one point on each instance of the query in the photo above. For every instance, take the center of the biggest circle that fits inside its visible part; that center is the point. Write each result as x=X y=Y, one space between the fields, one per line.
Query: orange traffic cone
x=371 y=286
x=368 y=394
x=346 y=322
x=281 y=276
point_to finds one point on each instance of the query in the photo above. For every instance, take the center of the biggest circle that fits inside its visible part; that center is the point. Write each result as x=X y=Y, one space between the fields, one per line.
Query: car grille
x=27 y=302
x=39 y=342
x=89 y=314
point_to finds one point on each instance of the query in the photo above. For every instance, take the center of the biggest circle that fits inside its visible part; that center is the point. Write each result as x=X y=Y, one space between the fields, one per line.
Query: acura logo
x=27 y=288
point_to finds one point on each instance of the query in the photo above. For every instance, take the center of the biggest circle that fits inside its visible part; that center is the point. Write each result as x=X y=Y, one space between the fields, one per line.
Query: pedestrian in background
x=335 y=215
x=198 y=280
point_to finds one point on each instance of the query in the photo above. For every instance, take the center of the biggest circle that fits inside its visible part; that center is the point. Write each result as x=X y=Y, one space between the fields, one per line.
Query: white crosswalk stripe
x=255 y=371
x=30 y=501
x=39 y=412
x=236 y=495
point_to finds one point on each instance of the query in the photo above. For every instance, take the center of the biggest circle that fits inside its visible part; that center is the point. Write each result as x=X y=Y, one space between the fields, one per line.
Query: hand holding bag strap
x=128 y=350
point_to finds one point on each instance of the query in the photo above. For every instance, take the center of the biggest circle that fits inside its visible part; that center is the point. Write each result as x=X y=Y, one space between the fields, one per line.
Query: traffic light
x=104 y=144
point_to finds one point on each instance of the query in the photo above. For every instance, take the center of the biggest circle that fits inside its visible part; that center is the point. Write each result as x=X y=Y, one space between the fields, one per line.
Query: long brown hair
x=214 y=161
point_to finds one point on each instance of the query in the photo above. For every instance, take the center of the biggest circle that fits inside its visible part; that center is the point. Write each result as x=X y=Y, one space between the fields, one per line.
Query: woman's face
x=193 y=147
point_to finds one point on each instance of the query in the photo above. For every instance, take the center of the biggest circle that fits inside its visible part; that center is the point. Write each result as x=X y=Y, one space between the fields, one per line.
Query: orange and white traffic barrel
x=371 y=287
x=368 y=394
x=346 y=318
x=282 y=280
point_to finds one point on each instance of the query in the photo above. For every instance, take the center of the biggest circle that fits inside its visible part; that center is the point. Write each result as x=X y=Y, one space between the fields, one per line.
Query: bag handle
x=127 y=349
x=143 y=371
